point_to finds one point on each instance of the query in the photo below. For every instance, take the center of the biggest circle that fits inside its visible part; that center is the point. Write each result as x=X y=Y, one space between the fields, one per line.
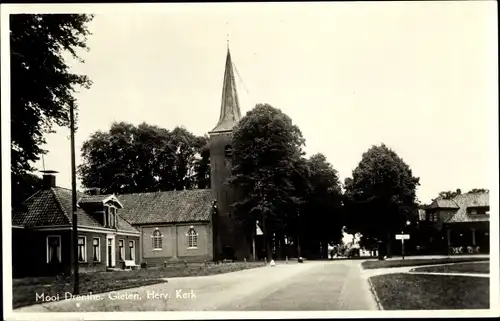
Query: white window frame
x=58 y=250
x=159 y=242
x=106 y=215
x=112 y=216
x=84 y=248
x=98 y=249
x=193 y=237
x=122 y=249
x=132 y=253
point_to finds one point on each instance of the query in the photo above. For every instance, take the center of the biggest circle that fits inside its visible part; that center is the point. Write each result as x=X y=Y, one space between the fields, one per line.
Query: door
x=110 y=252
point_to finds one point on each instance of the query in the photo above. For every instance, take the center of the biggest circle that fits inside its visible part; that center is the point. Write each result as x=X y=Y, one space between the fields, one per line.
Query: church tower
x=226 y=237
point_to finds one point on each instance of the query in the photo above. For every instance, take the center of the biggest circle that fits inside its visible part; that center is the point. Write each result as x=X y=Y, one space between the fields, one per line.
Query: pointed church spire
x=230 y=113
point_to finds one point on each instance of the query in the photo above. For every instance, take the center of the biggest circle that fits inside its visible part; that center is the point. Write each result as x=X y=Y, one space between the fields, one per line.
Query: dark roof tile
x=167 y=207
x=468 y=200
x=54 y=207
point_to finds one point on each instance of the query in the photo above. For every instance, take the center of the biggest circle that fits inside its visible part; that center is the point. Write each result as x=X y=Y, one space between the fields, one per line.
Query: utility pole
x=254 y=234
x=73 y=192
x=402 y=246
x=266 y=237
x=299 y=254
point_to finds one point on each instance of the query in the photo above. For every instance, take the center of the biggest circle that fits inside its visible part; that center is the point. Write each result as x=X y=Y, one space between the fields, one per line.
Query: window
x=112 y=216
x=82 y=246
x=121 y=246
x=54 y=249
x=192 y=239
x=131 y=245
x=106 y=216
x=96 y=249
x=228 y=151
x=157 y=240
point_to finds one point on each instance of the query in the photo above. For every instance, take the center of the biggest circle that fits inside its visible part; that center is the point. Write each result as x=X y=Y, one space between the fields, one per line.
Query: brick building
x=42 y=230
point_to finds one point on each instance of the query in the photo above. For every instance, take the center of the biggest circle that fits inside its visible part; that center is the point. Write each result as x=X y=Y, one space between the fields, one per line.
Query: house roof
x=95 y=199
x=49 y=207
x=469 y=200
x=443 y=203
x=167 y=207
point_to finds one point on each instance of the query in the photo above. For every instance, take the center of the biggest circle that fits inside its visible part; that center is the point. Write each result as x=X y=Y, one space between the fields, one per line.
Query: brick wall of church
x=174 y=244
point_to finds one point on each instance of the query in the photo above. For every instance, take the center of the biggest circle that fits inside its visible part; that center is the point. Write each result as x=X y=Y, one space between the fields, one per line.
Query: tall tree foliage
x=380 y=196
x=144 y=158
x=27 y=185
x=266 y=148
x=321 y=223
x=449 y=194
x=42 y=84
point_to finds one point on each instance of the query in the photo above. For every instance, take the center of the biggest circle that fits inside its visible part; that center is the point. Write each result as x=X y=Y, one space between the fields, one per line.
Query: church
x=194 y=225
x=144 y=228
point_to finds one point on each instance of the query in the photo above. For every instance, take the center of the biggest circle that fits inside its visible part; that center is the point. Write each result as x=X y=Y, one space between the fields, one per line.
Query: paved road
x=326 y=285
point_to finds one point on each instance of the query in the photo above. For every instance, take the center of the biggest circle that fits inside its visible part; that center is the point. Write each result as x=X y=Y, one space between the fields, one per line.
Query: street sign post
x=402 y=237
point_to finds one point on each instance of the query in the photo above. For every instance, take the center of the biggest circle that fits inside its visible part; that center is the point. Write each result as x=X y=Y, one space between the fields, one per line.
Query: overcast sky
x=420 y=77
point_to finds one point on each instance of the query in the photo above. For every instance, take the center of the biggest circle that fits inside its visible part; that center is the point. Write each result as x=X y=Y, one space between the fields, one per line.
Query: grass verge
x=415 y=262
x=402 y=291
x=482 y=267
x=25 y=290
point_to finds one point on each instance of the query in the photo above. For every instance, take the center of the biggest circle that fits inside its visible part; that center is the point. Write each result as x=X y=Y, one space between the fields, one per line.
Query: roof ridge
x=59 y=204
x=159 y=192
x=32 y=195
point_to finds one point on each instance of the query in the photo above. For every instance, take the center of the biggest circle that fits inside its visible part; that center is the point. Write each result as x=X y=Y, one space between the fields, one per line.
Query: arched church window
x=157 y=240
x=192 y=238
x=228 y=151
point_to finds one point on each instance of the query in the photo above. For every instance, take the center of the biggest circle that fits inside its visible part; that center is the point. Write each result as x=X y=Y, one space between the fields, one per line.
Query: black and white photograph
x=250 y=160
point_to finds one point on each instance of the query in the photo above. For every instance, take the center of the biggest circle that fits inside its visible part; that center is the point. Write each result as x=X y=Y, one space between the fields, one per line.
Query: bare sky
x=420 y=77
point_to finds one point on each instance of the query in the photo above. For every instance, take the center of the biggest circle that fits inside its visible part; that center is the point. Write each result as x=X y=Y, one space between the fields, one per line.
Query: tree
x=27 y=185
x=42 y=84
x=381 y=195
x=449 y=194
x=266 y=148
x=202 y=163
x=146 y=158
x=478 y=190
x=321 y=222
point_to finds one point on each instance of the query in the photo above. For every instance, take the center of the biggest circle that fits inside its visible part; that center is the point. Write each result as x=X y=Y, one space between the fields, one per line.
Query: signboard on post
x=402 y=237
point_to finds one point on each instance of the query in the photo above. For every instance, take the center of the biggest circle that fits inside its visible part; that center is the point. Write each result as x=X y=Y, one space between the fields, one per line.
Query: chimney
x=49 y=179
x=94 y=191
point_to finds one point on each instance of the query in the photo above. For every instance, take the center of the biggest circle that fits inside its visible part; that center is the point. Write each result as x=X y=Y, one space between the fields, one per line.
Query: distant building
x=421 y=214
x=462 y=222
